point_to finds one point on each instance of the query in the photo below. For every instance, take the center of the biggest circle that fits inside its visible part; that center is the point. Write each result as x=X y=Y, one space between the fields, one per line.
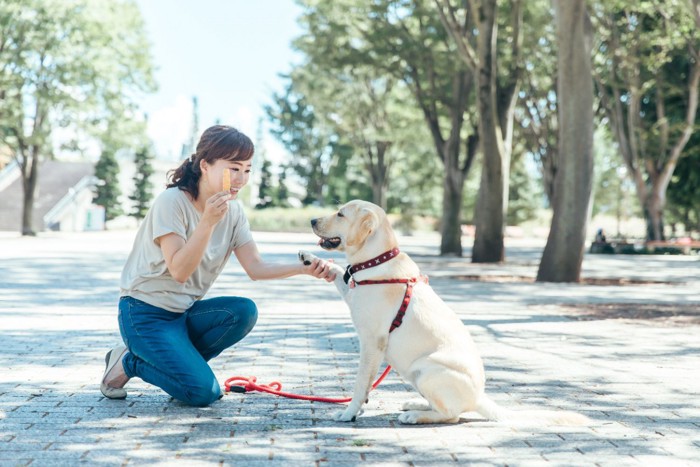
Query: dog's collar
x=376 y=261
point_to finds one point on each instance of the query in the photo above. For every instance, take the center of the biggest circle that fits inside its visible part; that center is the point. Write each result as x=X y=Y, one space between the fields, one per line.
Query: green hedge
x=299 y=220
x=284 y=219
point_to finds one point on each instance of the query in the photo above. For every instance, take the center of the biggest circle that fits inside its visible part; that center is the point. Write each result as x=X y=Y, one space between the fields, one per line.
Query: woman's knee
x=202 y=394
x=248 y=315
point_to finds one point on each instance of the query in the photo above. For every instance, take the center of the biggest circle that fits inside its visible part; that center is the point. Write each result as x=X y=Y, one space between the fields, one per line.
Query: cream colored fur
x=432 y=349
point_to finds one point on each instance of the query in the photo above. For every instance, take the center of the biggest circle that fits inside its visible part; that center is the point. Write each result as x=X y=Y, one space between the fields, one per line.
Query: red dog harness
x=383 y=258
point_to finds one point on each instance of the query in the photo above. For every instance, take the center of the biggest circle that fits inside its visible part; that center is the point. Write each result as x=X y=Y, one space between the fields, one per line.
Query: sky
x=227 y=53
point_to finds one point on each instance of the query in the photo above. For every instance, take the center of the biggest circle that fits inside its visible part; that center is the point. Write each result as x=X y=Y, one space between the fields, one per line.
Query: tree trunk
x=448 y=150
x=493 y=192
x=29 y=182
x=563 y=254
x=654 y=214
x=379 y=195
x=378 y=169
x=450 y=227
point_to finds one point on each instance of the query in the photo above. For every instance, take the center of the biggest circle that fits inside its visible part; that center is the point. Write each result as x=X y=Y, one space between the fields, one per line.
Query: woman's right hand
x=216 y=208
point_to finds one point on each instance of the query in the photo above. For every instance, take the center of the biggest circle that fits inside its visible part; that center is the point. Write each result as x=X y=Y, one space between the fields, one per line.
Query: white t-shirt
x=145 y=275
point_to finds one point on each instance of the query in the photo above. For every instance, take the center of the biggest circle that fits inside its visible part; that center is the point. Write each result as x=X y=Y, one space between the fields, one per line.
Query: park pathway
x=638 y=379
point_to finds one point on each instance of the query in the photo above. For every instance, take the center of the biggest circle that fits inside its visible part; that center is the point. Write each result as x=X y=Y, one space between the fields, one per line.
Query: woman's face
x=239 y=172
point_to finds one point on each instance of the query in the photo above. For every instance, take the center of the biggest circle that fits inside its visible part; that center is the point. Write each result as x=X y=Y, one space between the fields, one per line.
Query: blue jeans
x=171 y=350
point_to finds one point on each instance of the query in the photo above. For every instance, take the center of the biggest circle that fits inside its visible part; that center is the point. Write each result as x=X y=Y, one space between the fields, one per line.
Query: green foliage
x=282 y=195
x=143 y=187
x=295 y=125
x=376 y=73
x=80 y=65
x=524 y=194
x=648 y=73
x=265 y=193
x=368 y=112
x=108 y=191
x=684 y=201
x=346 y=179
x=536 y=128
x=76 y=63
x=613 y=191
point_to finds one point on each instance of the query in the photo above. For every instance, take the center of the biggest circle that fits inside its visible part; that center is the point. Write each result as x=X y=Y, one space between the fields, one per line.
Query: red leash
x=250 y=385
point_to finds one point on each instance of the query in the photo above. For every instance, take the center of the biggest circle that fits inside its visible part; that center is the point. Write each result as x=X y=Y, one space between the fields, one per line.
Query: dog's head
x=353 y=227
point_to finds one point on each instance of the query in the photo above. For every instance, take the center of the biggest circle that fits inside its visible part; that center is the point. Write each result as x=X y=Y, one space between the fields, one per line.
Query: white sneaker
x=111 y=359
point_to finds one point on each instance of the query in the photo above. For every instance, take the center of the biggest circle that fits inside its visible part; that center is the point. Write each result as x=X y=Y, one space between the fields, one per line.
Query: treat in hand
x=227 y=180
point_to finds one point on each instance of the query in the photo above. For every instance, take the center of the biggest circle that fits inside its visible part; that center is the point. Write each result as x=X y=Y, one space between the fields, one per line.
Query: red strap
x=250 y=384
x=398 y=319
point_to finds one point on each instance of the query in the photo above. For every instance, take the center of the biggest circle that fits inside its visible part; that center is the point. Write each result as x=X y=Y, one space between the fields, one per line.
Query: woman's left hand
x=320 y=269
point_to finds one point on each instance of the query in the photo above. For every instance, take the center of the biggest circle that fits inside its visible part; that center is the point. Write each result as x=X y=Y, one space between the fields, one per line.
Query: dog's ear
x=367 y=223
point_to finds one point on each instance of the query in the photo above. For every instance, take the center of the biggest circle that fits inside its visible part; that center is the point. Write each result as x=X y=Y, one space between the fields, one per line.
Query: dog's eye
x=340 y=214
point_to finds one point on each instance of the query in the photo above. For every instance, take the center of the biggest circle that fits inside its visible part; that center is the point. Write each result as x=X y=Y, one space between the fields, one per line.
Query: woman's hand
x=320 y=269
x=216 y=208
x=183 y=256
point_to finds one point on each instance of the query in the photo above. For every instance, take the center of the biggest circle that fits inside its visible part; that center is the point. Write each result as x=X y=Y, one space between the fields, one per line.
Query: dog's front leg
x=307 y=258
x=371 y=357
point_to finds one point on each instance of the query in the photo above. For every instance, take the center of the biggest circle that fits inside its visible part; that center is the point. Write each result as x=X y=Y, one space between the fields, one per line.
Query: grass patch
x=361 y=442
x=284 y=219
x=299 y=220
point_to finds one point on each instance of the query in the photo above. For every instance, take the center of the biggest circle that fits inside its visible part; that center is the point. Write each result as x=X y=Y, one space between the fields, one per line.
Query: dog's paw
x=410 y=418
x=306 y=258
x=345 y=416
x=416 y=404
x=415 y=417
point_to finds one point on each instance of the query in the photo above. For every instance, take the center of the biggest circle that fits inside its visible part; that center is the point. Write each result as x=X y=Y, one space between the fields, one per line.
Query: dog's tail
x=492 y=411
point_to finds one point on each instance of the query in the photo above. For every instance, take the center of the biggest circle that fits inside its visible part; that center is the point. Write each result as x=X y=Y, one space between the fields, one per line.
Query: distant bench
x=685 y=246
x=616 y=246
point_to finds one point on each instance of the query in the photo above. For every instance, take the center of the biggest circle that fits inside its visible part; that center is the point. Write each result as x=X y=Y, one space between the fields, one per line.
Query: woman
x=180 y=249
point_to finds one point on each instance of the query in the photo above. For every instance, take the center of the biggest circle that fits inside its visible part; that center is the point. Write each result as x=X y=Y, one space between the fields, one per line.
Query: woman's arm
x=257 y=269
x=182 y=257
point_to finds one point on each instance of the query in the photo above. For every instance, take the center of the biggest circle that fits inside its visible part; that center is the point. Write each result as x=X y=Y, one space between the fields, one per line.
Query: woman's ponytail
x=186 y=176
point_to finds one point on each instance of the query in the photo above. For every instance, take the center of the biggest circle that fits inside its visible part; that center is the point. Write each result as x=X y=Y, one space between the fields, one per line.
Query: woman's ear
x=203 y=166
x=367 y=222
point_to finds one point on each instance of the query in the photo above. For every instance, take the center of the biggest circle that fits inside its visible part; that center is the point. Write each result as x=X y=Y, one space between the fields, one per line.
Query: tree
x=405 y=39
x=523 y=197
x=363 y=108
x=648 y=80
x=563 y=254
x=108 y=191
x=265 y=190
x=282 y=196
x=143 y=187
x=536 y=112
x=684 y=202
x=495 y=101
x=295 y=125
x=613 y=192
x=77 y=64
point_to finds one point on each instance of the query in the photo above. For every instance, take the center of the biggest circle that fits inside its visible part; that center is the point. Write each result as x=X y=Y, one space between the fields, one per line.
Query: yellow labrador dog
x=400 y=319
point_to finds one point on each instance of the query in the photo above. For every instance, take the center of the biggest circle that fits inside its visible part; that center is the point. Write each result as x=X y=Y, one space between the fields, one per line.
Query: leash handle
x=249 y=384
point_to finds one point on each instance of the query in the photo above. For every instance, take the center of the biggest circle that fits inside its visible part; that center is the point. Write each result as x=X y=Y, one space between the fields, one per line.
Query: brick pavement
x=639 y=380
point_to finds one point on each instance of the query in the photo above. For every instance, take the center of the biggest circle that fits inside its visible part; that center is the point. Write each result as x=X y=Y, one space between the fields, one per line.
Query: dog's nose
x=313 y=222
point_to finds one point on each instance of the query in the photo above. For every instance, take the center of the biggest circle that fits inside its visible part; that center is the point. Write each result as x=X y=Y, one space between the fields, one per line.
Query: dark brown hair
x=217 y=142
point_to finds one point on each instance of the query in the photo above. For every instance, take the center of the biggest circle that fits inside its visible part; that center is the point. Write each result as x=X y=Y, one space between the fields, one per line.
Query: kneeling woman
x=181 y=247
